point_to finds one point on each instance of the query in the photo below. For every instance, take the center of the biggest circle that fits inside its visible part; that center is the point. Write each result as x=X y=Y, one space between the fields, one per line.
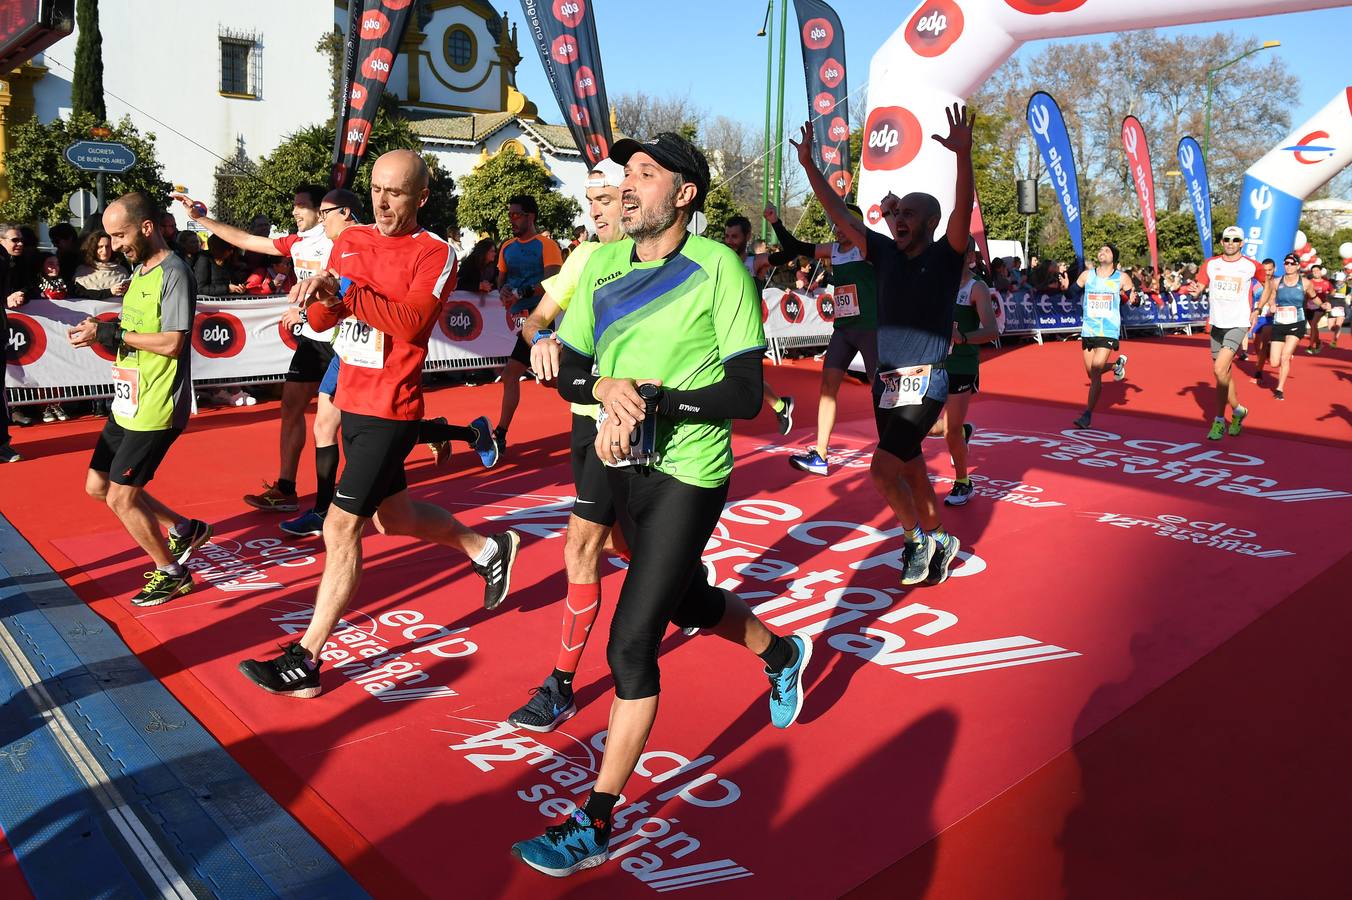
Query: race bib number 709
x=360 y=345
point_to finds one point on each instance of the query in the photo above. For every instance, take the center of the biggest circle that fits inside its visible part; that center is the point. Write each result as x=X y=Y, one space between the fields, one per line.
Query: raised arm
x=228 y=233
x=851 y=227
x=959 y=140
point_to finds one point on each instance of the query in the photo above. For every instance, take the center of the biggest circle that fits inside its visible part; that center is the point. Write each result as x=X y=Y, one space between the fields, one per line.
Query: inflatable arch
x=947 y=48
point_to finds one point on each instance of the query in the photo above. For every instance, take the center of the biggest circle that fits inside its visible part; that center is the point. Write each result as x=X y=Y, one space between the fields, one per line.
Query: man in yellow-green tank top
x=152 y=394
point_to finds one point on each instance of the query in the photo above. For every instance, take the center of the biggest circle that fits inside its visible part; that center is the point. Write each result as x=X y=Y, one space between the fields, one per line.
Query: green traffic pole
x=779 y=116
x=769 y=86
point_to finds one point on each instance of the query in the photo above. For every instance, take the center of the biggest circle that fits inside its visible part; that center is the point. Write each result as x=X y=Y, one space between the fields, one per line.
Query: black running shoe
x=161 y=587
x=497 y=575
x=547 y=708
x=181 y=548
x=785 y=416
x=288 y=674
x=500 y=436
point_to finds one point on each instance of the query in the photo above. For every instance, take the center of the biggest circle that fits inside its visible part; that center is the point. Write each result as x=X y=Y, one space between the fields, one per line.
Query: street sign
x=100 y=156
x=83 y=204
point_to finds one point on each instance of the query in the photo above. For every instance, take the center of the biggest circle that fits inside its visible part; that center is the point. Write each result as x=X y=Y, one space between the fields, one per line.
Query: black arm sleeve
x=576 y=380
x=737 y=396
x=791 y=247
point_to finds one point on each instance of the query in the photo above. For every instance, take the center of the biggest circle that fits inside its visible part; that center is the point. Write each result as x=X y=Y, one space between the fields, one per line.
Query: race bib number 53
x=904 y=387
x=360 y=345
x=126 y=391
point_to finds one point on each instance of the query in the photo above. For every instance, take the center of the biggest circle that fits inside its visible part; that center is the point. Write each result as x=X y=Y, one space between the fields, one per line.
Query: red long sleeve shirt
x=397 y=287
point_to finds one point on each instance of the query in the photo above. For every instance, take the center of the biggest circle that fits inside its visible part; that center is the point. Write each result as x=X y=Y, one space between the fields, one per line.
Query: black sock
x=286 y=486
x=779 y=655
x=326 y=476
x=565 y=680
x=430 y=432
x=599 y=806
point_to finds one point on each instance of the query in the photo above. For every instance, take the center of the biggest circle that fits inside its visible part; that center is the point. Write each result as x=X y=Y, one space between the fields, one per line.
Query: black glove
x=107 y=335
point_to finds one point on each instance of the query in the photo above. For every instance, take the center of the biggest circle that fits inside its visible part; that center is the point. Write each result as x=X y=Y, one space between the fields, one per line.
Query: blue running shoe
x=810 y=462
x=918 y=556
x=786 y=685
x=306 y=525
x=579 y=843
x=547 y=708
x=485 y=444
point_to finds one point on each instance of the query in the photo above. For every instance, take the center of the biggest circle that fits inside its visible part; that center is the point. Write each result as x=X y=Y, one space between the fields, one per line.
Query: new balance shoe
x=497 y=575
x=161 y=587
x=1120 y=367
x=961 y=493
x=290 y=673
x=918 y=556
x=786 y=685
x=181 y=547
x=547 y=709
x=485 y=442
x=810 y=462
x=945 y=552
x=578 y=843
x=1217 y=430
x=1237 y=420
x=307 y=524
x=272 y=500
x=785 y=416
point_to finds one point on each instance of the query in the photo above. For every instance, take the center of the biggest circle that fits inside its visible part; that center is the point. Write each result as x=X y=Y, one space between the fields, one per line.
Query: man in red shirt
x=383 y=289
x=1316 y=307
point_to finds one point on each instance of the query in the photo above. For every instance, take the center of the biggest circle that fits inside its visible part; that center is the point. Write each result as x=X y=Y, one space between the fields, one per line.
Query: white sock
x=485 y=556
x=173 y=569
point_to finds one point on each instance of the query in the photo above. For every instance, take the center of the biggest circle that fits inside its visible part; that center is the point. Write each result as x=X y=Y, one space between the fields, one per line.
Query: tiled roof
x=472 y=129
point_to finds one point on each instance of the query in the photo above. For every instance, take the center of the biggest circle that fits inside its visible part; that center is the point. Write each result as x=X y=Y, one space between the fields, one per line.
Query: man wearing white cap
x=1228 y=277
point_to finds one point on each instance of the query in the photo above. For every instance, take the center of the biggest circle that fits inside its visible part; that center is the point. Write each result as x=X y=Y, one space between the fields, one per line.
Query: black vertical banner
x=565 y=34
x=827 y=94
x=374 y=30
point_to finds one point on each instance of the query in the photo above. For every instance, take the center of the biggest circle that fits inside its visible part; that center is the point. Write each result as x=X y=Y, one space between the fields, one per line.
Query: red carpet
x=974 y=735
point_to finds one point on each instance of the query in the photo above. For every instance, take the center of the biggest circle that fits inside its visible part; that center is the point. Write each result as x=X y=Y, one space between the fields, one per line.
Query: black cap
x=673 y=153
x=1291 y=258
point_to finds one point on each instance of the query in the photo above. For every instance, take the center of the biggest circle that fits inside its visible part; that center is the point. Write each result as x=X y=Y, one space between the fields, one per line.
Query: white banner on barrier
x=230 y=339
x=789 y=314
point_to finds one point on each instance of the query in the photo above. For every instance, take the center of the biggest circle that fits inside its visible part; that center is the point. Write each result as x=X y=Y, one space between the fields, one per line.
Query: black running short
x=374 y=451
x=310 y=361
x=131 y=457
x=1095 y=343
x=902 y=430
x=1294 y=329
x=1312 y=314
x=521 y=352
x=959 y=383
x=594 y=501
x=845 y=343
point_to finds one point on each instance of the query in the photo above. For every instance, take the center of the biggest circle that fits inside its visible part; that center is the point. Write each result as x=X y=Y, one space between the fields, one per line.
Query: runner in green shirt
x=152 y=394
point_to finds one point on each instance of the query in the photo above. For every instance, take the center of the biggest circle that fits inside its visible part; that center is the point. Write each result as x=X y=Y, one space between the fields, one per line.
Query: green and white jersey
x=560 y=287
x=675 y=319
x=153 y=392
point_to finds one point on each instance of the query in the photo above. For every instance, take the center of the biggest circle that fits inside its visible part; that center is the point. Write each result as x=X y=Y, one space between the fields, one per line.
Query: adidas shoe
x=289 y=674
x=497 y=575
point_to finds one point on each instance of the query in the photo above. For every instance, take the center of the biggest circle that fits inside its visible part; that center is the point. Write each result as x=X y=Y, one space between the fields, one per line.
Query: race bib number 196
x=360 y=345
x=904 y=387
x=126 y=391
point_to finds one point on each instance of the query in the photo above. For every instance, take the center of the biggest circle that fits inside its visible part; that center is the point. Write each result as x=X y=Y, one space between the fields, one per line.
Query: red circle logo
x=358 y=95
x=875 y=214
x=290 y=336
x=564 y=50
x=461 y=321
x=395 y=4
x=823 y=103
x=374 y=25
x=934 y=27
x=841 y=182
x=354 y=139
x=570 y=12
x=584 y=82
x=826 y=307
x=838 y=130
x=597 y=149
x=27 y=341
x=832 y=73
x=99 y=350
x=1042 y=7
x=830 y=154
x=791 y=308
x=818 y=34
x=217 y=335
x=891 y=138
x=377 y=66
x=579 y=115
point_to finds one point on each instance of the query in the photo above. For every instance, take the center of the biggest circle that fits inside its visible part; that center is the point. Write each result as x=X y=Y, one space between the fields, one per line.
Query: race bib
x=1286 y=315
x=1225 y=287
x=126 y=391
x=904 y=387
x=1099 y=306
x=306 y=268
x=360 y=345
x=1338 y=312
x=846 y=298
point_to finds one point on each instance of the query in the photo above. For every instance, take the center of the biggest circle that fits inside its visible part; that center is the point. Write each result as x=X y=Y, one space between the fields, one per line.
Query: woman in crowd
x=218 y=271
x=101 y=275
x=479 y=268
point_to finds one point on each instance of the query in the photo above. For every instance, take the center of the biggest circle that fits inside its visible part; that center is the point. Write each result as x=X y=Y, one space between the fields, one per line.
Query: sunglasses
x=1292 y=262
x=1232 y=240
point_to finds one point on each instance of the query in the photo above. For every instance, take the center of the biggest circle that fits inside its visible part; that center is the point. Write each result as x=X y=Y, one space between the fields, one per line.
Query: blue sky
x=716 y=58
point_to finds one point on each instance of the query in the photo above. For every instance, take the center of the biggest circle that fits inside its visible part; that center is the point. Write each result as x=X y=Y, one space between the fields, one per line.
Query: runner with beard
x=1227 y=278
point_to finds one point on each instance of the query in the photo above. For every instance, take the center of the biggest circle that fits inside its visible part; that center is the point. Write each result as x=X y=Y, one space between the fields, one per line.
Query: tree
x=86 y=87
x=485 y=191
x=245 y=189
x=41 y=180
x=718 y=208
x=642 y=116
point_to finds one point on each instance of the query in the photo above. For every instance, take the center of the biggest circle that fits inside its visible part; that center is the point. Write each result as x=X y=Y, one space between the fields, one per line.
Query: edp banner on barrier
x=797 y=314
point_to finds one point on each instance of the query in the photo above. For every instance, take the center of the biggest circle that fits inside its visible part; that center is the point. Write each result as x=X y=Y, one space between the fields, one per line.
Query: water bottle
x=644 y=442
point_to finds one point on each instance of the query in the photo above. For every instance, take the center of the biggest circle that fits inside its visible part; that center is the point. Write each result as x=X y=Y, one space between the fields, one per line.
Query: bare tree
x=642 y=115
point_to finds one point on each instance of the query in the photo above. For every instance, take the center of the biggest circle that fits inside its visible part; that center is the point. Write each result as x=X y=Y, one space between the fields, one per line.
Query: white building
x=212 y=78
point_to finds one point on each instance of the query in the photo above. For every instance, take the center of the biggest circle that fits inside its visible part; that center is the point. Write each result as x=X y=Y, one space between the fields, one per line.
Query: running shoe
x=181 y=547
x=786 y=685
x=785 y=416
x=961 y=493
x=19 y=417
x=810 y=462
x=290 y=673
x=161 y=587
x=497 y=575
x=49 y=413
x=8 y=454
x=441 y=450
x=308 y=524
x=1217 y=430
x=1082 y=421
x=272 y=500
x=500 y=438
x=1120 y=367
x=547 y=709
x=1237 y=420
x=485 y=442
x=61 y=414
x=1281 y=395
x=944 y=553
x=918 y=556
x=967 y=431
x=578 y=843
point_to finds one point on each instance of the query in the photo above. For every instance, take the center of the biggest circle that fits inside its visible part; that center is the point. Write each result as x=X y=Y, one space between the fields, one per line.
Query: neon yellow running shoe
x=1237 y=421
x=1217 y=430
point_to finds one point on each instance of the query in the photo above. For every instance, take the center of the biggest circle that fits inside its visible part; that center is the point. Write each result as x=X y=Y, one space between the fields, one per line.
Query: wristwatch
x=542 y=334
